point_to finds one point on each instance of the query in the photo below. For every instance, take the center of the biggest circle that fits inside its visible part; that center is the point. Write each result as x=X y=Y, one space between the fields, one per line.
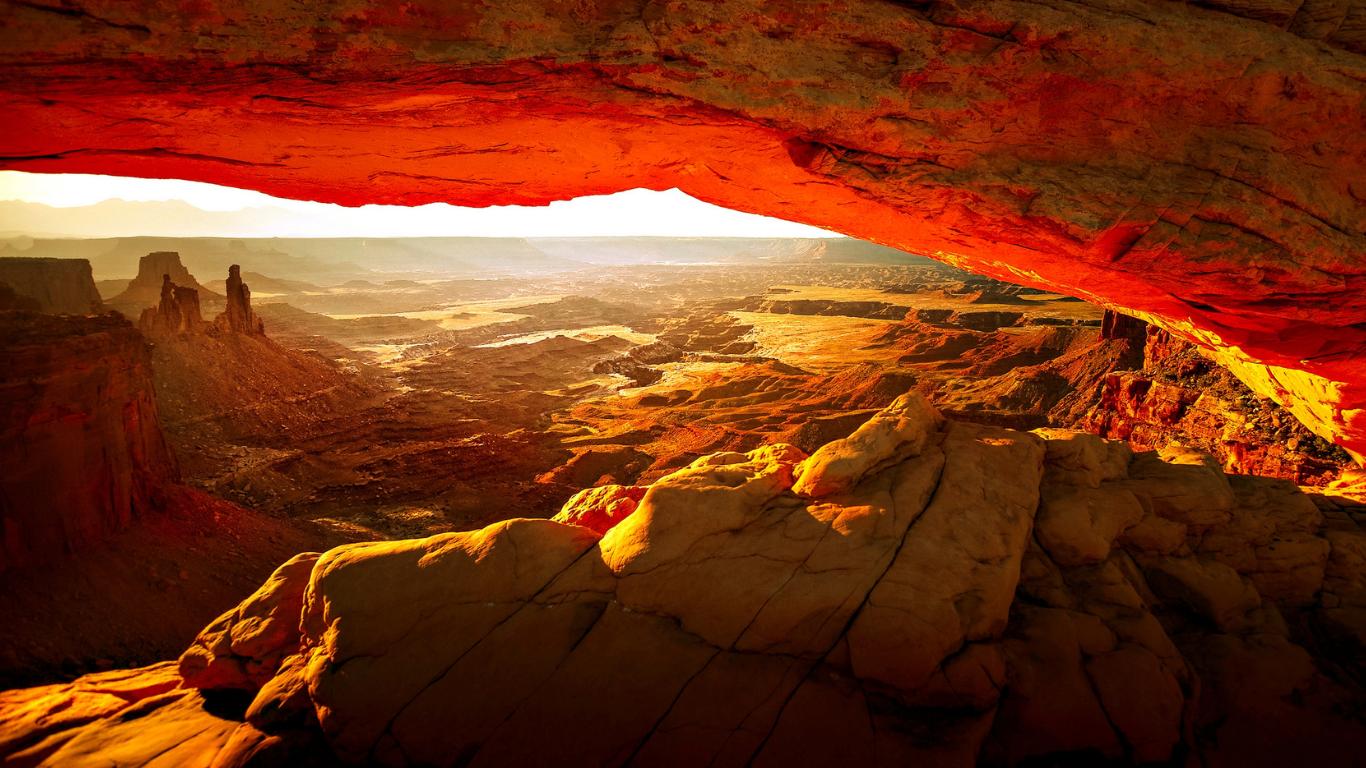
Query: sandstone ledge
x=986 y=595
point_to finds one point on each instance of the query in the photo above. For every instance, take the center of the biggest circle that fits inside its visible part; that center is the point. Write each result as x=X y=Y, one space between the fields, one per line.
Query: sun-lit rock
x=1078 y=526
x=601 y=507
x=897 y=432
x=1216 y=198
x=923 y=614
x=243 y=648
x=954 y=578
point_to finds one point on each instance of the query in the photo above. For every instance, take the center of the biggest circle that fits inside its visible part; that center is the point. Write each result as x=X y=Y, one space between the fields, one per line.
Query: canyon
x=466 y=400
x=882 y=600
x=1080 y=485
x=1220 y=197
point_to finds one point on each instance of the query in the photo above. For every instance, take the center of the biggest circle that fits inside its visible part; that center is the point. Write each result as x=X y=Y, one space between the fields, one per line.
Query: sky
x=113 y=206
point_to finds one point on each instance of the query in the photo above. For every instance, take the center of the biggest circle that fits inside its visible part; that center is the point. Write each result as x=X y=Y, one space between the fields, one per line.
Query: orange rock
x=954 y=577
x=600 y=508
x=919 y=616
x=243 y=648
x=897 y=432
x=1218 y=200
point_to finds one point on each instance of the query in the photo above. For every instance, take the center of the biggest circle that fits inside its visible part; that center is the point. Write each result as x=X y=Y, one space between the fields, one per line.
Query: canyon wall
x=146 y=288
x=1198 y=166
x=922 y=592
x=59 y=286
x=82 y=450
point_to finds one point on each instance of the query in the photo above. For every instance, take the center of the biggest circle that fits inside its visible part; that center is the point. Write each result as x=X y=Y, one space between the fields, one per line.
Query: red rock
x=146 y=289
x=602 y=507
x=176 y=312
x=239 y=317
x=58 y=286
x=913 y=617
x=1201 y=168
x=75 y=469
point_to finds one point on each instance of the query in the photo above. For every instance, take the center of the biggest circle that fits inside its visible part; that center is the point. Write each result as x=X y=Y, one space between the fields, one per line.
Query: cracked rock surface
x=968 y=595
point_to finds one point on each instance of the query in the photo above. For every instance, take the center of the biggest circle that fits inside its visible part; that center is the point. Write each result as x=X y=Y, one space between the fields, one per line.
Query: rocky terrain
x=145 y=289
x=1178 y=394
x=80 y=440
x=107 y=558
x=1198 y=166
x=923 y=591
x=433 y=418
x=1169 y=609
x=920 y=589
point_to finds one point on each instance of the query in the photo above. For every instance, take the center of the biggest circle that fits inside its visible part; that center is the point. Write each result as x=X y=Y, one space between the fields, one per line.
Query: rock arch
x=1202 y=167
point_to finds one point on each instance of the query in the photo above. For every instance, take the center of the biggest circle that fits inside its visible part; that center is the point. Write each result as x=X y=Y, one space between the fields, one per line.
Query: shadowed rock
x=56 y=286
x=239 y=317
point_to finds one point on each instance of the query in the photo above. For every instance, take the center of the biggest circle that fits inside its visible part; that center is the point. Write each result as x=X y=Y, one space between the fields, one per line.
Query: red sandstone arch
x=1203 y=168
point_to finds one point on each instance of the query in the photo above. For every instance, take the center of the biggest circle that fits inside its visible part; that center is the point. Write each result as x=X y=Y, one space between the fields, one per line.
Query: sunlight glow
x=110 y=206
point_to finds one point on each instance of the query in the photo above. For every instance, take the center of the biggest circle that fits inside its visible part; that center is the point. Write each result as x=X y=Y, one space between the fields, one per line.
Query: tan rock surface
x=243 y=648
x=920 y=616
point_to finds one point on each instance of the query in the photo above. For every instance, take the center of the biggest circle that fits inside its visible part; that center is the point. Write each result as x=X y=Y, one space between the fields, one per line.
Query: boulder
x=1078 y=526
x=895 y=433
x=600 y=508
x=243 y=648
x=921 y=615
x=1182 y=485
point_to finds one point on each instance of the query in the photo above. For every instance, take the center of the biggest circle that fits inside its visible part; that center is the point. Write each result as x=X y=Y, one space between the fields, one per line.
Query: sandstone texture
x=80 y=442
x=58 y=286
x=1179 y=394
x=969 y=595
x=1199 y=165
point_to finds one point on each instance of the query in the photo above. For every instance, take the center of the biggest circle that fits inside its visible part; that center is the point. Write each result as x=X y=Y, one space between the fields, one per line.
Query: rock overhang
x=1195 y=167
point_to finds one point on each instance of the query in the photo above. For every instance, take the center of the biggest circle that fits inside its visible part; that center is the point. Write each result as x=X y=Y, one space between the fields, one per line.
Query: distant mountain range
x=330 y=261
x=336 y=260
x=124 y=218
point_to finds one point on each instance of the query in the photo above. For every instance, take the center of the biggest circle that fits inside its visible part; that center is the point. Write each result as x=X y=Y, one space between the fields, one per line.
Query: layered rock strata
x=921 y=592
x=80 y=444
x=1198 y=164
x=147 y=289
x=1179 y=394
x=56 y=286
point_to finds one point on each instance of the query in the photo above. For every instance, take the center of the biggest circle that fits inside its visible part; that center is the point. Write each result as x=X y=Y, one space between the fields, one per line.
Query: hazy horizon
x=82 y=206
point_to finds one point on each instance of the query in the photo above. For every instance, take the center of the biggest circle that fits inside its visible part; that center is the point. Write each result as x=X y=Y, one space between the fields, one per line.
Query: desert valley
x=755 y=383
x=334 y=404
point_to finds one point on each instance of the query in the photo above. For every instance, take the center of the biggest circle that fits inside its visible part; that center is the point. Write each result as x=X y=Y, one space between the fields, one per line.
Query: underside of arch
x=1201 y=168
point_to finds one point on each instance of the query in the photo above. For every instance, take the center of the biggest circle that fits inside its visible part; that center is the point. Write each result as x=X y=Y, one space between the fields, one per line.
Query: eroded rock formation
x=1179 y=394
x=1199 y=165
x=14 y=302
x=58 y=286
x=80 y=444
x=176 y=312
x=921 y=592
x=238 y=317
x=148 y=288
